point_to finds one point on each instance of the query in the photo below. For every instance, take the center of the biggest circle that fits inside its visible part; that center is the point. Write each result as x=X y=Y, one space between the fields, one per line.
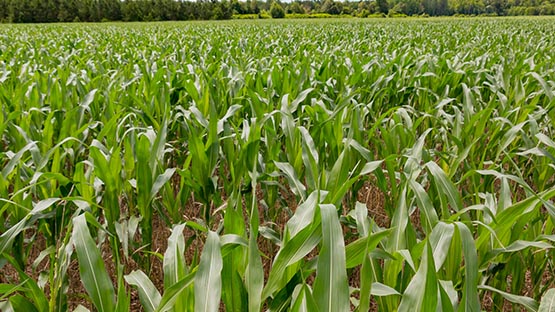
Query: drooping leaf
x=148 y=294
x=528 y=303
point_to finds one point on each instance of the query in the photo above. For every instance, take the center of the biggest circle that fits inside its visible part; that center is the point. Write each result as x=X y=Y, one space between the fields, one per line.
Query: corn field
x=399 y=165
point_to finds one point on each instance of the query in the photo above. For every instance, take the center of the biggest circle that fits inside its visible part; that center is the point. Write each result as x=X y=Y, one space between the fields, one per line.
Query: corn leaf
x=148 y=294
x=208 y=283
x=547 y=303
x=93 y=273
x=331 y=290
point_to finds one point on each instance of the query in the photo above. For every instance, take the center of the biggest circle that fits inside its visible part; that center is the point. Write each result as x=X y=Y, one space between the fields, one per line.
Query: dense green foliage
x=277 y=11
x=45 y=11
x=295 y=166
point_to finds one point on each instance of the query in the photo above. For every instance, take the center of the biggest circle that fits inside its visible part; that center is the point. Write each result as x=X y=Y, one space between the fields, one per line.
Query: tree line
x=46 y=11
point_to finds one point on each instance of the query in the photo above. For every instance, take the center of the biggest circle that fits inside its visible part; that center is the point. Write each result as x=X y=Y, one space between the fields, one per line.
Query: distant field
x=294 y=165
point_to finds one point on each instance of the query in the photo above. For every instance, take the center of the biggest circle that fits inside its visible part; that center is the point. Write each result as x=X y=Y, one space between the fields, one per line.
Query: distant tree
x=51 y=7
x=366 y=8
x=383 y=6
x=276 y=10
x=21 y=11
x=4 y=11
x=325 y=7
x=238 y=7
x=226 y=9
x=347 y=9
x=469 y=7
x=308 y=6
x=430 y=7
x=107 y=10
x=217 y=13
x=156 y=10
x=254 y=7
x=131 y=11
x=39 y=11
x=442 y=8
x=409 y=7
x=84 y=10
x=66 y=11
x=436 y=7
x=332 y=7
x=295 y=7
x=498 y=7
x=476 y=7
